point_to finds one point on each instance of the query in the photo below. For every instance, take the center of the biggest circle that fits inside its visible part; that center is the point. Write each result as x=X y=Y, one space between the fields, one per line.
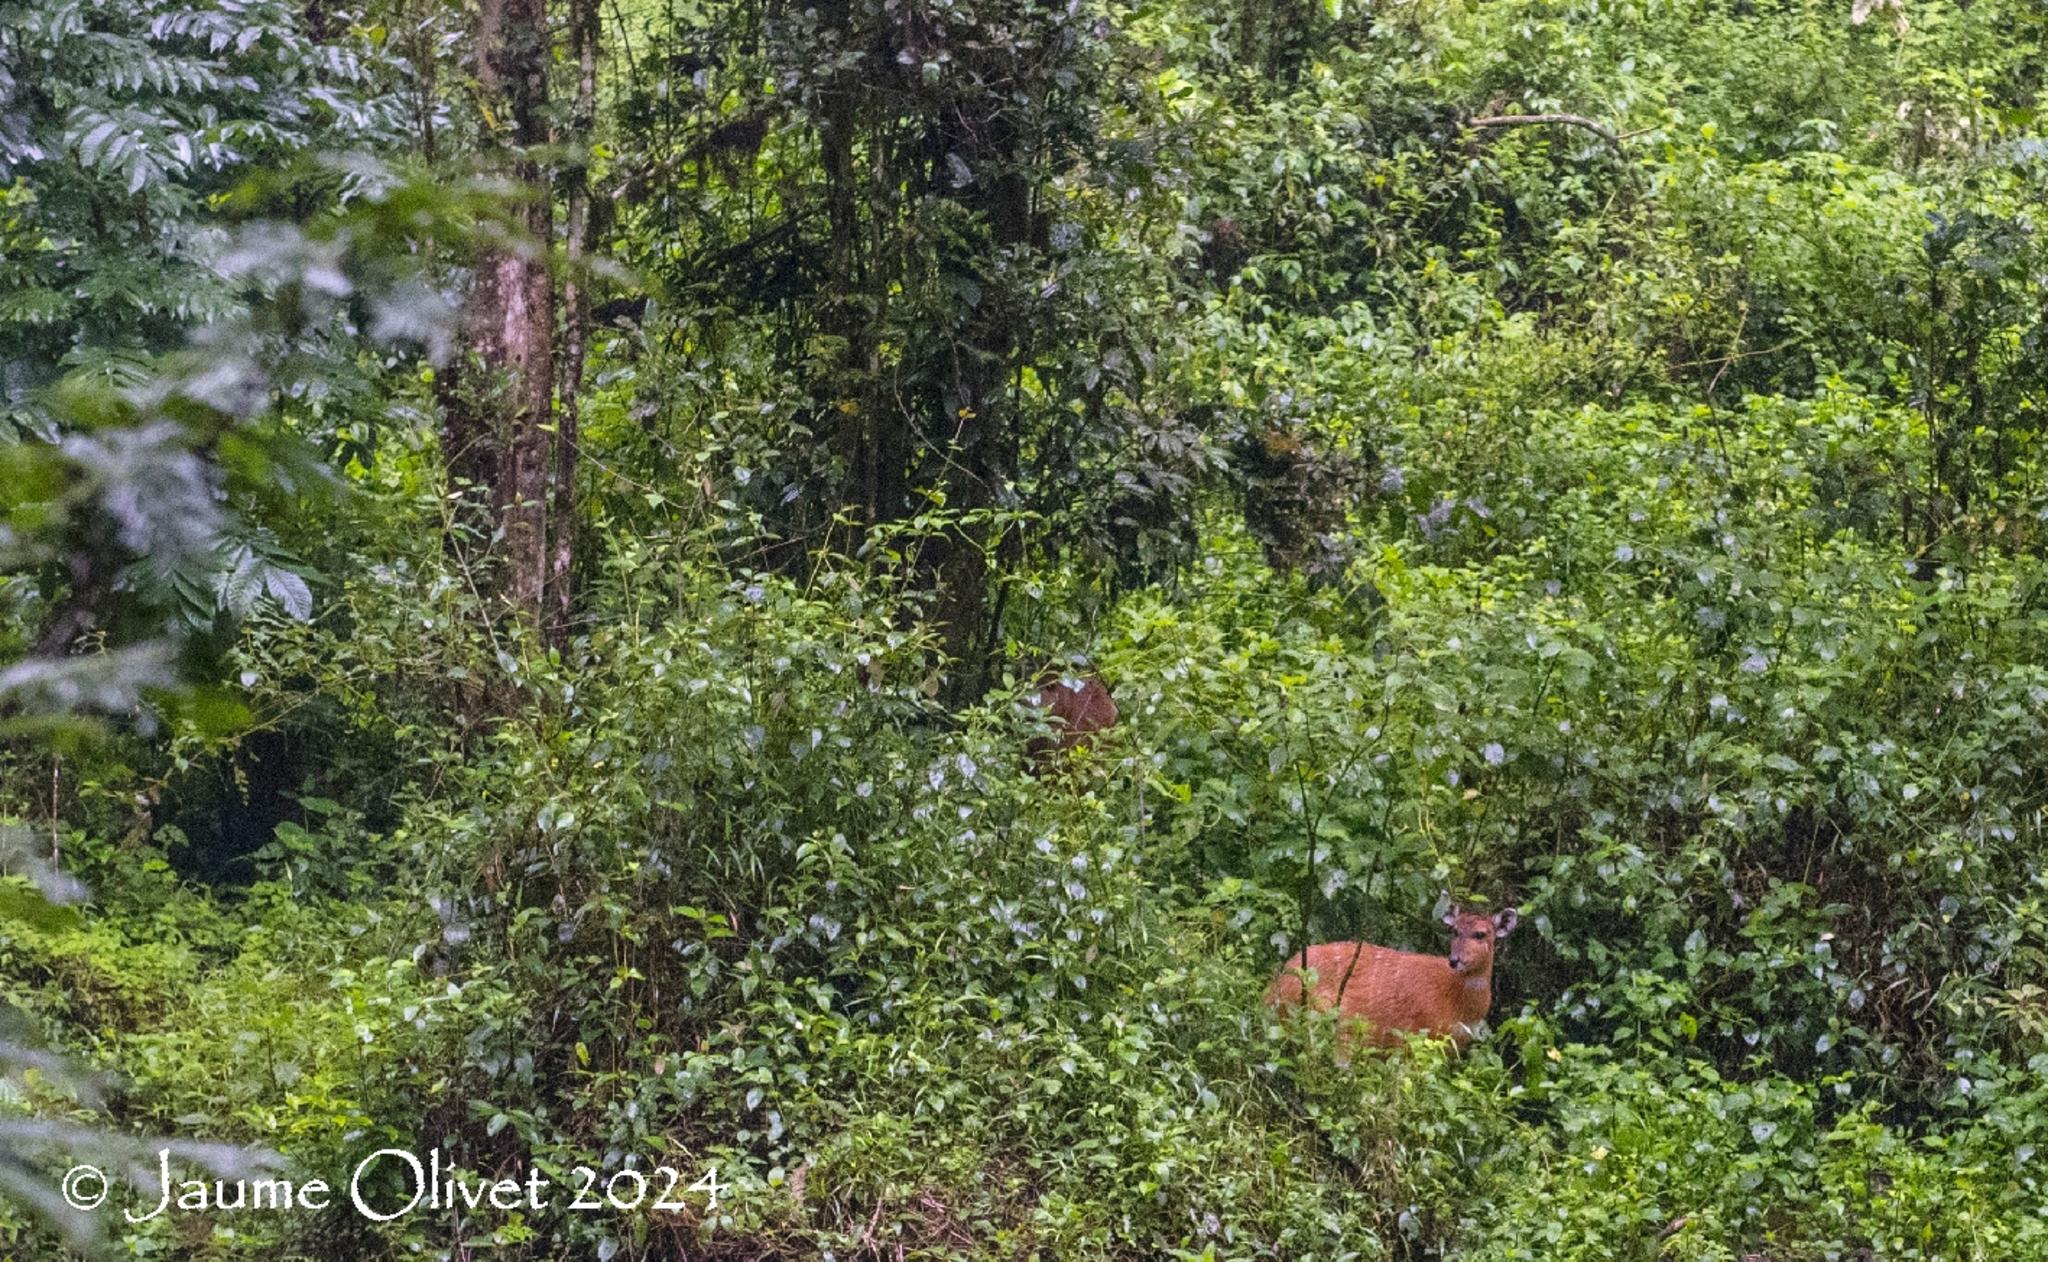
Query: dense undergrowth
x=1682 y=584
x=730 y=890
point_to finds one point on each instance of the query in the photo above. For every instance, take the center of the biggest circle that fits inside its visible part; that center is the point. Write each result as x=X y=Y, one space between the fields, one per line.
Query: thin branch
x=1593 y=125
x=1731 y=358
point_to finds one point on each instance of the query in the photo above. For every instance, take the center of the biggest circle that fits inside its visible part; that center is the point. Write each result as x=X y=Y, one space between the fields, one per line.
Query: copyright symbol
x=84 y=1187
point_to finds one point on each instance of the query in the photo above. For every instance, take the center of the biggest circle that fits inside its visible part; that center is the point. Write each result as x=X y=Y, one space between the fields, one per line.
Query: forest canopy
x=536 y=537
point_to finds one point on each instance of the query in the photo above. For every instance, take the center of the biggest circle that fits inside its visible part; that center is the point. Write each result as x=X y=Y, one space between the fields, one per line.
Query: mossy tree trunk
x=498 y=403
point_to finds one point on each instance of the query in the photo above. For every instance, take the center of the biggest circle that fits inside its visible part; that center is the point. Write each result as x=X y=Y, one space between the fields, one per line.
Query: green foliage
x=1637 y=519
x=119 y=521
x=121 y=125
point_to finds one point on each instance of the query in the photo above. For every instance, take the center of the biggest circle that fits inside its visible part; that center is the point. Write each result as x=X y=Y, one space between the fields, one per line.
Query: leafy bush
x=1636 y=523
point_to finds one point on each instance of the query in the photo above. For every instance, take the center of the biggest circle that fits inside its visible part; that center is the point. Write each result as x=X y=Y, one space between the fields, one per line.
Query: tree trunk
x=498 y=408
x=583 y=40
x=981 y=420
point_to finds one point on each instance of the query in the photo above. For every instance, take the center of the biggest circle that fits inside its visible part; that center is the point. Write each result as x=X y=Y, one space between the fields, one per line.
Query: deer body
x=1384 y=994
x=1076 y=708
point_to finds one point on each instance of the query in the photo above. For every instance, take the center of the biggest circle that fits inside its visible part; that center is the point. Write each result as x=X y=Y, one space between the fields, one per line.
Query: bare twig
x=1593 y=125
x=1738 y=355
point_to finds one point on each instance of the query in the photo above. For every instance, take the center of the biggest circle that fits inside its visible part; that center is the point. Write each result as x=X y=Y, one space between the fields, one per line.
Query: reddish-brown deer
x=1076 y=708
x=1382 y=995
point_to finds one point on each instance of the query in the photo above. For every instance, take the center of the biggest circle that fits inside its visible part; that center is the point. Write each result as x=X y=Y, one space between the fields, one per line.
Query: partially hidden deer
x=1382 y=995
x=1076 y=708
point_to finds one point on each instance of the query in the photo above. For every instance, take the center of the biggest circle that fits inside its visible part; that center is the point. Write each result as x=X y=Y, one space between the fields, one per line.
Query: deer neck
x=1473 y=993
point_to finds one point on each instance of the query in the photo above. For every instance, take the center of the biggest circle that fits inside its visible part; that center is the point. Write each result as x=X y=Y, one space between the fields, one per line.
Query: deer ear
x=1504 y=923
x=1451 y=916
